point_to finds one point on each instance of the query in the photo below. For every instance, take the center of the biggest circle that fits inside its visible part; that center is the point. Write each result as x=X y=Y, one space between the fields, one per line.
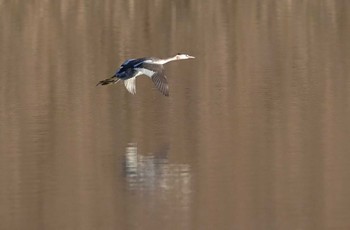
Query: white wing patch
x=145 y=71
x=130 y=85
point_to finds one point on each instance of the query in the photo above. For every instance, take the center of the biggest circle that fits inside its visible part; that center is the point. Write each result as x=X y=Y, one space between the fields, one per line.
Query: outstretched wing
x=157 y=74
x=160 y=81
x=130 y=85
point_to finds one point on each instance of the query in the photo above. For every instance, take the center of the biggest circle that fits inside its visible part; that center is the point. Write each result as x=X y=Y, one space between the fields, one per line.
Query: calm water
x=255 y=133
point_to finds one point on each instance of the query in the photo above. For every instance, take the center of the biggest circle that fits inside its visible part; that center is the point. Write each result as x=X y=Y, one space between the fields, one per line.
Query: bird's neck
x=163 y=61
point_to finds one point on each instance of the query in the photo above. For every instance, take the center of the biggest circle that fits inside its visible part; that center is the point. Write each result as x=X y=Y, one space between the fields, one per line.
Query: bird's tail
x=107 y=81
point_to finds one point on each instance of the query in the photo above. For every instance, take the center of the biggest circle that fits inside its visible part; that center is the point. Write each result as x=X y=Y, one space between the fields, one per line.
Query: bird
x=149 y=66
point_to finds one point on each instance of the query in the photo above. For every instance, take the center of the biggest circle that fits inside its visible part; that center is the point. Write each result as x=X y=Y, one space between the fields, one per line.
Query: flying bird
x=149 y=66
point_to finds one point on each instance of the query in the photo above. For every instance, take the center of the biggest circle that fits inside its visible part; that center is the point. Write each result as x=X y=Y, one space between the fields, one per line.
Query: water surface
x=254 y=134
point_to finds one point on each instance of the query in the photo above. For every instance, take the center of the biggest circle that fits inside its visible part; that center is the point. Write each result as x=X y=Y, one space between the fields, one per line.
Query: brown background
x=255 y=134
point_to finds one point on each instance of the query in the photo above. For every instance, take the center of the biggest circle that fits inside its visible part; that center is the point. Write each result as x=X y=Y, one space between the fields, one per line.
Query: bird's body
x=151 y=67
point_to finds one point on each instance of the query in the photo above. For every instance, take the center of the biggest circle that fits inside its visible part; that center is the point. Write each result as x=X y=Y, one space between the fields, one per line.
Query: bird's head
x=181 y=56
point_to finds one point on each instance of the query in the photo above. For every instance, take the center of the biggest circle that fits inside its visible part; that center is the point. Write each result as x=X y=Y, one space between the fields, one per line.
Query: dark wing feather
x=160 y=81
x=129 y=64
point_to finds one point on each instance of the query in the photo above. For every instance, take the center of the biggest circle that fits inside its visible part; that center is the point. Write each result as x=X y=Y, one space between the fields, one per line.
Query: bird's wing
x=130 y=85
x=133 y=62
x=127 y=62
x=130 y=63
x=160 y=81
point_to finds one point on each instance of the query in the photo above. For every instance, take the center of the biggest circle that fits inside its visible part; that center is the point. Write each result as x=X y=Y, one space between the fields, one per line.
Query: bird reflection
x=155 y=172
x=158 y=186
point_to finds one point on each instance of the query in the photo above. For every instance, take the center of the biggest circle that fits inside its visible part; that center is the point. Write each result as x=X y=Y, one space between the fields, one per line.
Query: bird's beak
x=190 y=56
